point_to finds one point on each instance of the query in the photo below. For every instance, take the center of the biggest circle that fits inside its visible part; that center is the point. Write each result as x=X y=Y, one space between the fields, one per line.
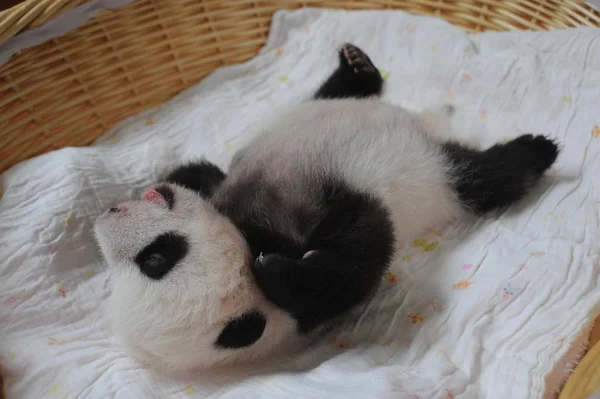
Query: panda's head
x=183 y=294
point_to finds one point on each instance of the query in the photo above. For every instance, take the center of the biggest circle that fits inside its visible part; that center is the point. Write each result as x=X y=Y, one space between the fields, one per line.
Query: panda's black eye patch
x=167 y=194
x=162 y=255
x=242 y=331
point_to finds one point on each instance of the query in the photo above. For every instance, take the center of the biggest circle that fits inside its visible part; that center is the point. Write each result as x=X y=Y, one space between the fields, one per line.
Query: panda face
x=183 y=295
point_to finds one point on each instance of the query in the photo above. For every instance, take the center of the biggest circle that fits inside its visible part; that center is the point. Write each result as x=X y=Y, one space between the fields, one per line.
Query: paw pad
x=357 y=59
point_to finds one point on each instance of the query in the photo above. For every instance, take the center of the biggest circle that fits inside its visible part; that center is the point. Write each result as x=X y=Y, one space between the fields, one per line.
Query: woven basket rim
x=31 y=14
x=69 y=90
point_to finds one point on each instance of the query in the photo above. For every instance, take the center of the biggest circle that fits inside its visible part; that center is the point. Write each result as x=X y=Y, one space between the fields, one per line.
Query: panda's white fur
x=173 y=323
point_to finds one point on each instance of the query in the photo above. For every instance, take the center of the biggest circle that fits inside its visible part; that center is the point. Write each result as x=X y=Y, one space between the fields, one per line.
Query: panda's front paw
x=272 y=274
x=269 y=268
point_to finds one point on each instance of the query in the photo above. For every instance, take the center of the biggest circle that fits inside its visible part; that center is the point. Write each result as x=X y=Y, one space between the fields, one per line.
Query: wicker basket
x=68 y=91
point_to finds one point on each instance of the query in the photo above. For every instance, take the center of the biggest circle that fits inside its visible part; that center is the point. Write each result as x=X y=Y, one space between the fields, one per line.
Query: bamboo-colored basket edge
x=32 y=14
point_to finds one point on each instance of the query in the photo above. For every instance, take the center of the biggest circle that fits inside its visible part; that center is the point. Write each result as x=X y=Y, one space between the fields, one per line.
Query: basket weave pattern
x=68 y=91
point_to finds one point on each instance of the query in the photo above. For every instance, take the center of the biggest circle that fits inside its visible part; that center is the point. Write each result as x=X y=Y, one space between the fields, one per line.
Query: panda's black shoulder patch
x=242 y=331
x=158 y=258
x=346 y=256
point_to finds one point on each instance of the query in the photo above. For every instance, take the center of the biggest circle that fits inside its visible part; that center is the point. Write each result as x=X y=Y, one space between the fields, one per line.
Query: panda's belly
x=419 y=210
x=371 y=146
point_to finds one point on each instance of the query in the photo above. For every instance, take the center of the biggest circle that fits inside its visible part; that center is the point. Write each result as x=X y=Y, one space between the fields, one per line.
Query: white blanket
x=480 y=309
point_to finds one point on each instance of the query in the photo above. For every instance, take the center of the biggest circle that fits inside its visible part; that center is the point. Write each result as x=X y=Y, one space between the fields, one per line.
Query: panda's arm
x=348 y=253
x=355 y=77
x=202 y=177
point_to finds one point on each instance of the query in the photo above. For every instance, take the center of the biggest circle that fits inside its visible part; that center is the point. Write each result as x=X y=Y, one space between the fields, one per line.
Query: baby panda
x=211 y=269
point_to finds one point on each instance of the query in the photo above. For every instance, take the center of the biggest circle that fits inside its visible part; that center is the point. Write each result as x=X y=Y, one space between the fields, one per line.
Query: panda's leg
x=355 y=77
x=201 y=176
x=346 y=256
x=497 y=177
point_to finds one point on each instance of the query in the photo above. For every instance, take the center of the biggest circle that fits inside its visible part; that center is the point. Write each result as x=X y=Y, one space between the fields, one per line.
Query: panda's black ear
x=202 y=177
x=242 y=331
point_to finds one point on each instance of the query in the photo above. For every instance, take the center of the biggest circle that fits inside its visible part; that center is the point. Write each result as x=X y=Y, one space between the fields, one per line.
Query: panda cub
x=211 y=269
